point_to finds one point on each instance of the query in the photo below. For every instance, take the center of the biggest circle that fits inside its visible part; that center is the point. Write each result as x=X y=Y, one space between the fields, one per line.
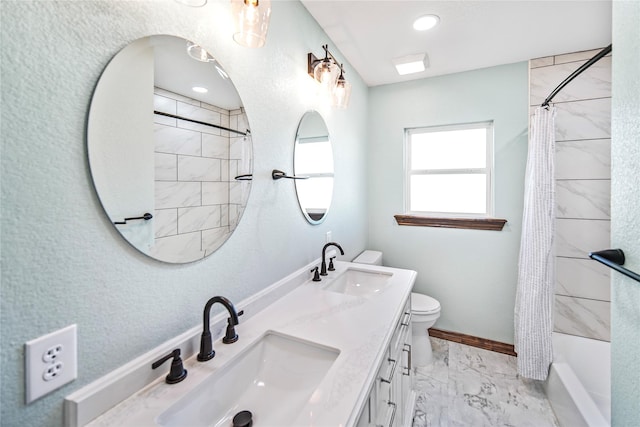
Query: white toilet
x=425 y=310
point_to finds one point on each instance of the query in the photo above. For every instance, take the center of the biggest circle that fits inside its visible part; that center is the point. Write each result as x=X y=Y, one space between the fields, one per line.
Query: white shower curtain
x=536 y=272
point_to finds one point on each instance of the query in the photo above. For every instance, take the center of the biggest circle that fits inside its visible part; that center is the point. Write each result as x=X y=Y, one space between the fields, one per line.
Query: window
x=449 y=172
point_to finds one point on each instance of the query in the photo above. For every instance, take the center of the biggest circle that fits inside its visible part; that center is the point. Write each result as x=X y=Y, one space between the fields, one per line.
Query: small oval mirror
x=169 y=148
x=313 y=158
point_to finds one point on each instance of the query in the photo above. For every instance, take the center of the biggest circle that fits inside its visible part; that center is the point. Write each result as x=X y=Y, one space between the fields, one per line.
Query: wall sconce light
x=198 y=53
x=330 y=75
x=193 y=3
x=251 y=21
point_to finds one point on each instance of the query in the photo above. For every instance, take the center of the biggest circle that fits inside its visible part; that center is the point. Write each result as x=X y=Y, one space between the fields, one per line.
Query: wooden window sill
x=494 y=224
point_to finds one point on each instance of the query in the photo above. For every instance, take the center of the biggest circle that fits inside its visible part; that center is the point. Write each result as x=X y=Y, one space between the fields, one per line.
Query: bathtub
x=579 y=382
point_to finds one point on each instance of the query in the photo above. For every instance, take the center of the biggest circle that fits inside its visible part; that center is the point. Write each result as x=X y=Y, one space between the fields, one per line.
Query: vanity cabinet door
x=366 y=419
x=407 y=382
x=386 y=406
x=383 y=391
x=400 y=385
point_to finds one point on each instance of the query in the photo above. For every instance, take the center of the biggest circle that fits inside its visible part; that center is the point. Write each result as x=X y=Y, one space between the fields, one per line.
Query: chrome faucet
x=206 y=344
x=323 y=268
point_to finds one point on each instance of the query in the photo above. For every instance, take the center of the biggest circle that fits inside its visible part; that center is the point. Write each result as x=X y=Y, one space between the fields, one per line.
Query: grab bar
x=614 y=258
x=147 y=216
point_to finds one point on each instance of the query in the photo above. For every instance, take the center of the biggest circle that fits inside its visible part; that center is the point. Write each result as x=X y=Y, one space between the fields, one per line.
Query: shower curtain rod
x=575 y=74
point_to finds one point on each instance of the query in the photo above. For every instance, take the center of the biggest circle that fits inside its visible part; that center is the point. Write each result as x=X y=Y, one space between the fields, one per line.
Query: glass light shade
x=193 y=3
x=251 y=21
x=198 y=53
x=326 y=72
x=341 y=93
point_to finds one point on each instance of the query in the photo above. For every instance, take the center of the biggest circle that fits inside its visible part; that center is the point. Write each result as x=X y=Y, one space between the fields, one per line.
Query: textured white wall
x=471 y=272
x=62 y=260
x=625 y=207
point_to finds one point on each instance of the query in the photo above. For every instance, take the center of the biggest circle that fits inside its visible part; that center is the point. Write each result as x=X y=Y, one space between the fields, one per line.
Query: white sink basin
x=274 y=379
x=359 y=282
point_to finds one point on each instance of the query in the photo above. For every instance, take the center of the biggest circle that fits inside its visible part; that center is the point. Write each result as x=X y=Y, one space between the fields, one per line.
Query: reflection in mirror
x=168 y=136
x=313 y=157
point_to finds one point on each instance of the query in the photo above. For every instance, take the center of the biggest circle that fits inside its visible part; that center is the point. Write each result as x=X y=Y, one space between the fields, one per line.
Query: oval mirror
x=313 y=158
x=169 y=149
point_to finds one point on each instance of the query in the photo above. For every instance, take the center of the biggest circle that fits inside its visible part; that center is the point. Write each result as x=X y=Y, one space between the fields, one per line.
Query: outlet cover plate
x=38 y=361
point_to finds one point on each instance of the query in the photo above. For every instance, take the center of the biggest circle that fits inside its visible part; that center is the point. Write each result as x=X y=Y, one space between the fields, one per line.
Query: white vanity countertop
x=359 y=327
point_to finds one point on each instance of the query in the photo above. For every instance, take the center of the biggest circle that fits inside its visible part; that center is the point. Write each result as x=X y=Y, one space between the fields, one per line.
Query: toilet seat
x=424 y=304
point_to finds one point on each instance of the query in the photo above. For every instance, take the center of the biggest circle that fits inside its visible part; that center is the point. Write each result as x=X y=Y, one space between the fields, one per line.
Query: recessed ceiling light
x=200 y=89
x=411 y=63
x=426 y=22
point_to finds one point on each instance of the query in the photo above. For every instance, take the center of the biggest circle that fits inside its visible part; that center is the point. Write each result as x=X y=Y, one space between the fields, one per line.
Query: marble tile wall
x=198 y=201
x=583 y=188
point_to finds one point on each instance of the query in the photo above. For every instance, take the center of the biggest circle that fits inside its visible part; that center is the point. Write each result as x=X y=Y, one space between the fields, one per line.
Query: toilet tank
x=369 y=257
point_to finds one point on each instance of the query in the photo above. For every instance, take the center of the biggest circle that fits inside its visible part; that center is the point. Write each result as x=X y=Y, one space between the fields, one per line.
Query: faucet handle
x=316 y=274
x=177 y=372
x=331 y=267
x=230 y=336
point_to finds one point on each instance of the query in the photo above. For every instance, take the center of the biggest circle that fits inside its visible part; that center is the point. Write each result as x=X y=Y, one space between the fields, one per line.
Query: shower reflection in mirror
x=168 y=134
x=313 y=157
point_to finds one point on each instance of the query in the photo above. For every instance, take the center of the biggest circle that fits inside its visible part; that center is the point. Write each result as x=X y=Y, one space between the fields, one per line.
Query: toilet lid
x=423 y=304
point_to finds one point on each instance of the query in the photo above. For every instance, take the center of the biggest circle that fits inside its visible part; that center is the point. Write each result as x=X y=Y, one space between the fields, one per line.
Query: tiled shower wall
x=197 y=200
x=583 y=178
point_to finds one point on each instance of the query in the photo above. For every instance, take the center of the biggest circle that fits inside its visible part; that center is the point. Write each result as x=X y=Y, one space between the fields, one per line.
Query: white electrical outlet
x=327 y=238
x=50 y=362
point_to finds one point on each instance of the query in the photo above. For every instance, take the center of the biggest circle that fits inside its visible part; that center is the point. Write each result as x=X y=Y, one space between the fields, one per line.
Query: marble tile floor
x=468 y=386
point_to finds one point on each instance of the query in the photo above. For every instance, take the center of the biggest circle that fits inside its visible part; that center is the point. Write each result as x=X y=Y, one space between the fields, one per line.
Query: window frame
x=488 y=171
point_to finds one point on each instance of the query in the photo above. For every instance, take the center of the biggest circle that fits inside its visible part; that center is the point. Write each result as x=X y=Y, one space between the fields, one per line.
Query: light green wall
x=64 y=263
x=471 y=272
x=625 y=207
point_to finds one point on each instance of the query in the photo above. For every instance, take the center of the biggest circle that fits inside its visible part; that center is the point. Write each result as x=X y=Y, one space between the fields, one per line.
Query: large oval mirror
x=313 y=158
x=169 y=149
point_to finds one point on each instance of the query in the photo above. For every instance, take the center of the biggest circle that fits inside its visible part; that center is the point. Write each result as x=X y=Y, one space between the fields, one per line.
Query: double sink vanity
x=334 y=352
x=312 y=349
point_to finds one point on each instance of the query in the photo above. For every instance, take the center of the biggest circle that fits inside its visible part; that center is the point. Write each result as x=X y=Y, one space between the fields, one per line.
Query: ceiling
x=471 y=34
x=176 y=71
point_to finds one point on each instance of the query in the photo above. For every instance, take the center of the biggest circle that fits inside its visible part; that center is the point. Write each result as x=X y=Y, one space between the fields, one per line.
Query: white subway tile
x=224 y=170
x=165 y=222
x=177 y=194
x=175 y=96
x=215 y=193
x=594 y=82
x=224 y=215
x=233 y=169
x=587 y=159
x=214 y=108
x=200 y=114
x=579 y=56
x=583 y=278
x=588 y=119
x=583 y=317
x=164 y=104
x=176 y=141
x=586 y=199
x=198 y=218
x=166 y=168
x=541 y=62
x=198 y=169
x=215 y=146
x=577 y=237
